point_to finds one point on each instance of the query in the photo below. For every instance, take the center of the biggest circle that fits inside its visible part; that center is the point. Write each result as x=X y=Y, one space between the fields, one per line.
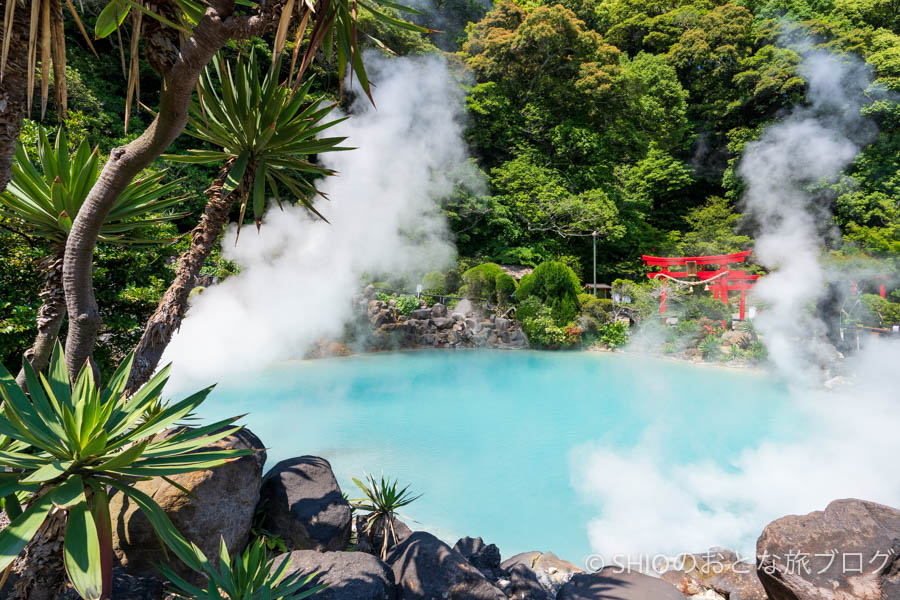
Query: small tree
x=63 y=447
x=556 y=286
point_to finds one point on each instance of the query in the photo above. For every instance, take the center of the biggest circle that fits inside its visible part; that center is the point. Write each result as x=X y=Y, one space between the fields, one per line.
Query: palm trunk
x=13 y=88
x=169 y=314
x=50 y=315
x=41 y=570
x=215 y=29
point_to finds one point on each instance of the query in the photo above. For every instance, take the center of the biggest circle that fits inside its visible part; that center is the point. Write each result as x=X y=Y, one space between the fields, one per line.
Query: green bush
x=879 y=312
x=481 y=281
x=505 y=287
x=528 y=308
x=434 y=282
x=705 y=306
x=710 y=347
x=598 y=308
x=556 y=286
x=543 y=332
x=407 y=304
x=584 y=299
x=613 y=335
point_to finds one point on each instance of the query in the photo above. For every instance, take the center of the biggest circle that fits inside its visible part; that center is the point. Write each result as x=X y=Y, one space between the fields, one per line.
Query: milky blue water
x=487 y=436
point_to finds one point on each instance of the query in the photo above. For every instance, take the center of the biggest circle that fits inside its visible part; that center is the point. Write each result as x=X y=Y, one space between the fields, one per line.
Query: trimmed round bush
x=481 y=281
x=505 y=287
x=556 y=286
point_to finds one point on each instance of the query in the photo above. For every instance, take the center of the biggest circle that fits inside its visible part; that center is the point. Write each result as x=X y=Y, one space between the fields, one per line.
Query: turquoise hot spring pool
x=492 y=439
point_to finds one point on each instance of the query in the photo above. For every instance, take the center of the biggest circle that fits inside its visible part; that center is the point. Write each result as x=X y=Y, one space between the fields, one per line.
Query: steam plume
x=298 y=275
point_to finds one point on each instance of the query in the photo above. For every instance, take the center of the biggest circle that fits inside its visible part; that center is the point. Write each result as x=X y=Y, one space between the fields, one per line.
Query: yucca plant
x=63 y=447
x=250 y=576
x=42 y=200
x=382 y=500
x=263 y=134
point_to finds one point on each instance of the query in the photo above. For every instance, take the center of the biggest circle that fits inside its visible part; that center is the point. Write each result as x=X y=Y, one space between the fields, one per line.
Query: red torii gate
x=721 y=280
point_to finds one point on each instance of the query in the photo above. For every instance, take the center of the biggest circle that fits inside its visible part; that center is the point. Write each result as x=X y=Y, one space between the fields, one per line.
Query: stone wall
x=437 y=327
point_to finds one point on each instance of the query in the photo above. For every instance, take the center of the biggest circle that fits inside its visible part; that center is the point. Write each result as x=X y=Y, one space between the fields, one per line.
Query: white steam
x=299 y=274
x=846 y=441
x=809 y=147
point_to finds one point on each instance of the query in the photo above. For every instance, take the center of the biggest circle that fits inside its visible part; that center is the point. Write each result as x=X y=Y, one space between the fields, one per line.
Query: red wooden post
x=743 y=301
x=882 y=291
x=662 y=300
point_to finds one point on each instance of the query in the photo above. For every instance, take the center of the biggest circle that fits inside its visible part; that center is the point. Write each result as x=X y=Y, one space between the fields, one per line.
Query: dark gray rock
x=422 y=314
x=304 y=506
x=438 y=310
x=865 y=538
x=520 y=583
x=126 y=587
x=371 y=539
x=479 y=554
x=220 y=506
x=426 y=568
x=442 y=322
x=347 y=575
x=607 y=584
x=550 y=570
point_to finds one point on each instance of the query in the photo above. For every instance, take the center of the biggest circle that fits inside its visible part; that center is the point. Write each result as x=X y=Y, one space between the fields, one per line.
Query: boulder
x=735 y=338
x=347 y=575
x=438 y=310
x=304 y=506
x=442 y=322
x=126 y=587
x=551 y=571
x=851 y=550
x=421 y=314
x=520 y=583
x=221 y=504
x=426 y=568
x=479 y=554
x=372 y=541
x=609 y=583
x=724 y=572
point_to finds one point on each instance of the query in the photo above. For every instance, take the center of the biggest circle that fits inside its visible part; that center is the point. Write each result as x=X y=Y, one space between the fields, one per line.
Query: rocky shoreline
x=299 y=502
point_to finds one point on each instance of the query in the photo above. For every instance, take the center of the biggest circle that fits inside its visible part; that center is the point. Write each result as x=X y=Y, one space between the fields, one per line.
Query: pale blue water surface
x=486 y=436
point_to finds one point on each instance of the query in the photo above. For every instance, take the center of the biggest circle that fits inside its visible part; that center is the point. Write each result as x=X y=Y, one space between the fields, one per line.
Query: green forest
x=619 y=117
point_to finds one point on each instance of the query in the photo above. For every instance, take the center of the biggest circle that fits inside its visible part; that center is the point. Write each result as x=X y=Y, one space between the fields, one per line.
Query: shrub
x=698 y=307
x=598 y=308
x=248 y=576
x=382 y=500
x=481 y=281
x=505 y=287
x=879 y=312
x=585 y=298
x=407 y=304
x=68 y=446
x=543 y=332
x=757 y=351
x=710 y=347
x=556 y=286
x=434 y=282
x=528 y=308
x=614 y=335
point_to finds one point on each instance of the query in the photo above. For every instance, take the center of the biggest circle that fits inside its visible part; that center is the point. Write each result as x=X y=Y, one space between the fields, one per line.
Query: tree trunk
x=13 y=88
x=166 y=320
x=215 y=29
x=50 y=315
x=41 y=570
